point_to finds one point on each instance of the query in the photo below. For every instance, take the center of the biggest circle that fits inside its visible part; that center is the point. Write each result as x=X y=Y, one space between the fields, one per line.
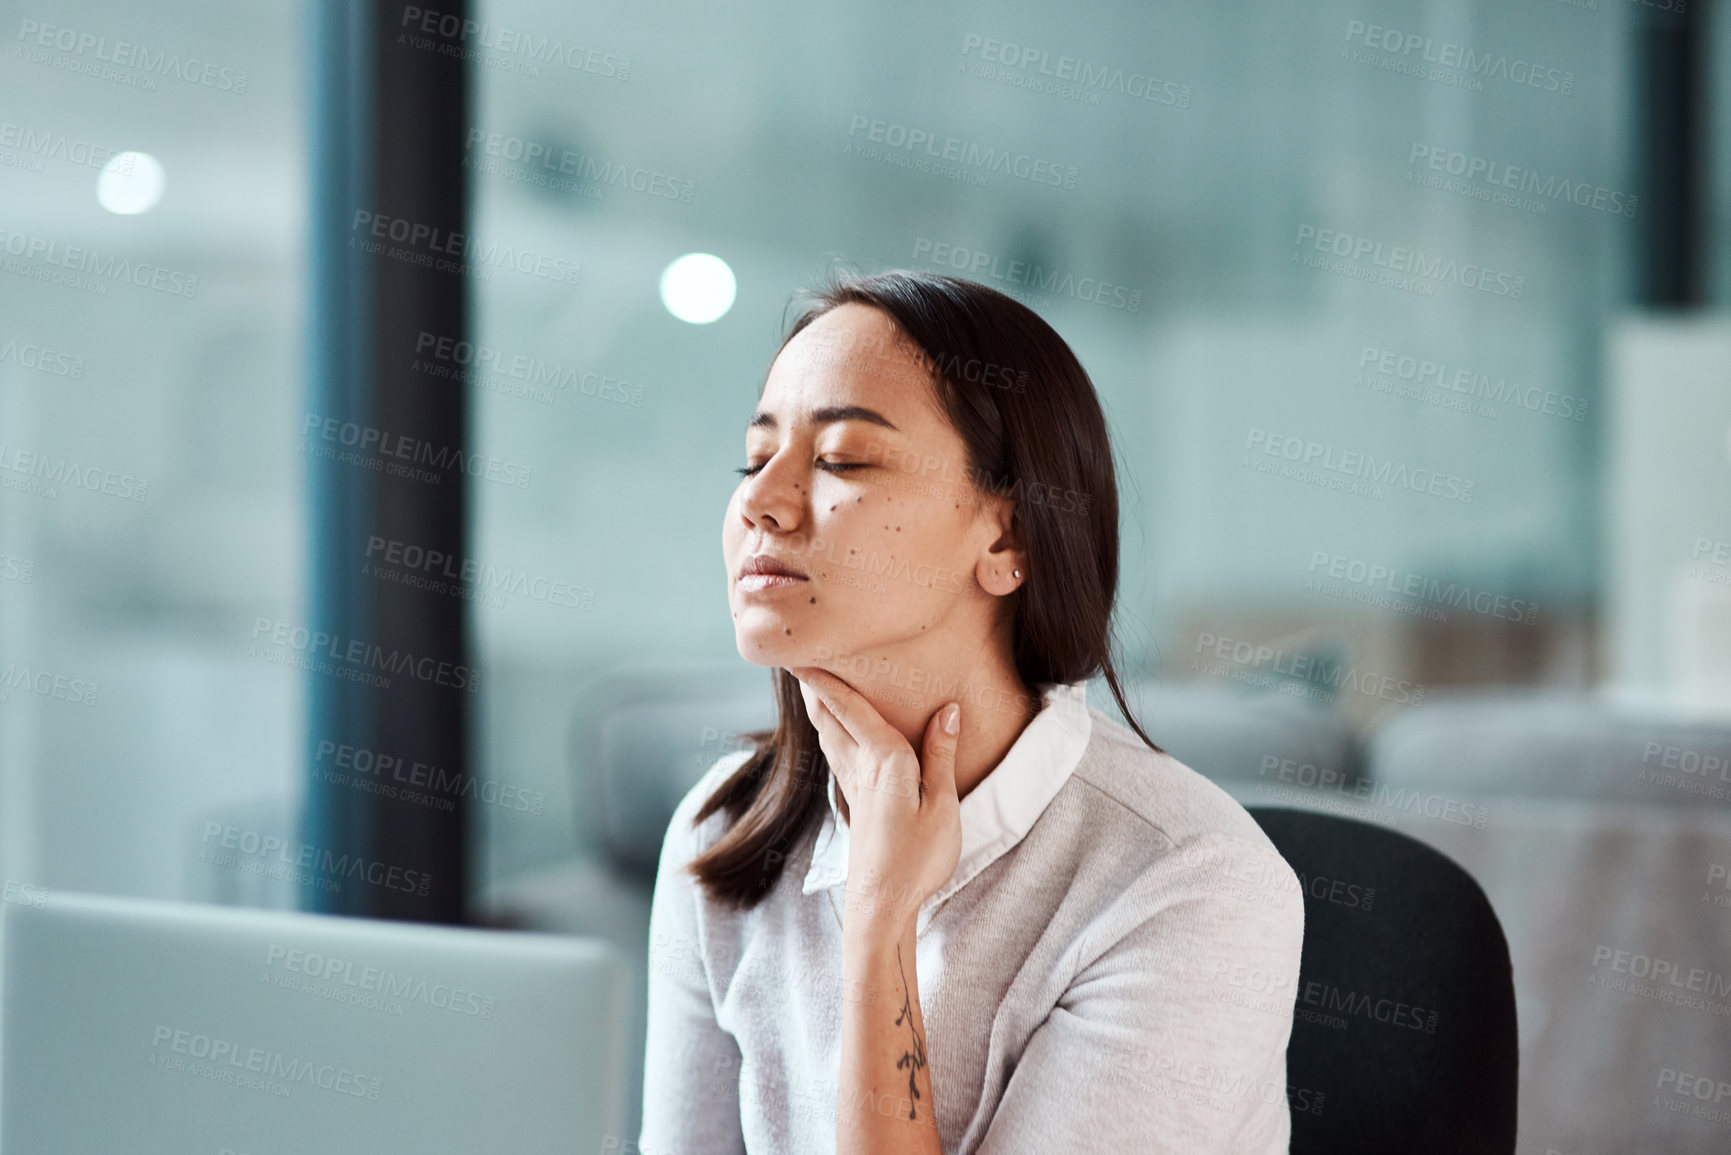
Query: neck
x=908 y=690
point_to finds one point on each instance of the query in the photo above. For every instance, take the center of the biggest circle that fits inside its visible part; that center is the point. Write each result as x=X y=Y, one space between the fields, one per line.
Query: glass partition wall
x=1340 y=276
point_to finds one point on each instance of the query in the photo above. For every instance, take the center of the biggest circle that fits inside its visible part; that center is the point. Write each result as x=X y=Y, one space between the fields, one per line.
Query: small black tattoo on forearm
x=914 y=1060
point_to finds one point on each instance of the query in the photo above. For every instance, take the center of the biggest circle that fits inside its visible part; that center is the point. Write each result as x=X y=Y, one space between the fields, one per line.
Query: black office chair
x=1403 y=1038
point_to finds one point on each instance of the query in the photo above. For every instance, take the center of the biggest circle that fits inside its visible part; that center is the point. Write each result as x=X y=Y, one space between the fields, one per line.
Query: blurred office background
x=1247 y=180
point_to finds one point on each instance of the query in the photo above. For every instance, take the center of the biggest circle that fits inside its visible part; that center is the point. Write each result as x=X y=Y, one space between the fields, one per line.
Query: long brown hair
x=1032 y=424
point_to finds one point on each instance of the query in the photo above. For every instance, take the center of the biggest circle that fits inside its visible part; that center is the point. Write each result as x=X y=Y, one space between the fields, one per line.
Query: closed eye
x=830 y=466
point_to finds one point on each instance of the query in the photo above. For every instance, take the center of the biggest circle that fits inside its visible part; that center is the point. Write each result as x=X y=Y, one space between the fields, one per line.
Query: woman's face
x=859 y=486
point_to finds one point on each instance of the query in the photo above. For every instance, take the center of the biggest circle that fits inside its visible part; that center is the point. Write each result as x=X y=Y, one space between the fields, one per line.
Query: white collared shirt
x=1113 y=967
x=1000 y=808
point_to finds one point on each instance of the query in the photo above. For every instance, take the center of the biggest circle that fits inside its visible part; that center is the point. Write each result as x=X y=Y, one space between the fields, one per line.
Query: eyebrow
x=826 y=415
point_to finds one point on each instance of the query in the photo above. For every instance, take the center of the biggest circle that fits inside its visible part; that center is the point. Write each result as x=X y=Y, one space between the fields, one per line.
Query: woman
x=944 y=905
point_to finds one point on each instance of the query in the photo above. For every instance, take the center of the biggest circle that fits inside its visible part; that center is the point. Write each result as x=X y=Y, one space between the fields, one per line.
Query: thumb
x=938 y=767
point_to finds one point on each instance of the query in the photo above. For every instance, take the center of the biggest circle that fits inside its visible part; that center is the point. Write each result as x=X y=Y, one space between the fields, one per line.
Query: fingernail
x=951 y=719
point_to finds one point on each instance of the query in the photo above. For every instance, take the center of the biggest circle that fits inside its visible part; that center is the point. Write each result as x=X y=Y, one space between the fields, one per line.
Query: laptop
x=154 y=1027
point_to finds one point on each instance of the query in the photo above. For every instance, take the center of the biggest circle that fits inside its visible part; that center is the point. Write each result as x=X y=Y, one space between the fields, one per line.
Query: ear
x=995 y=571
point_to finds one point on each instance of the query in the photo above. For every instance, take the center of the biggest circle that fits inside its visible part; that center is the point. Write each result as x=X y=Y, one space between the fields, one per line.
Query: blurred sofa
x=1602 y=836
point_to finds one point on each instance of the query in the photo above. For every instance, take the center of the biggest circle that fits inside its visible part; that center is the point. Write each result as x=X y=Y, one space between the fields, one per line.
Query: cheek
x=882 y=528
x=731 y=530
x=929 y=529
x=854 y=521
x=732 y=549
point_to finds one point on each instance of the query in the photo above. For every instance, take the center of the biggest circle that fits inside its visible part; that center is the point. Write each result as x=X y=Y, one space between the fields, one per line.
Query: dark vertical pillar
x=1671 y=116
x=393 y=682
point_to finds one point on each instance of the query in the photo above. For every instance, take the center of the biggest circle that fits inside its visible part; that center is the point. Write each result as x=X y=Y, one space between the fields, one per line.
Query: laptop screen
x=143 y=1026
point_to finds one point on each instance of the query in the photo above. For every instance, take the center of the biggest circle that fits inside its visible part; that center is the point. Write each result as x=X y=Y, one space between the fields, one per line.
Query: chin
x=763 y=643
x=762 y=648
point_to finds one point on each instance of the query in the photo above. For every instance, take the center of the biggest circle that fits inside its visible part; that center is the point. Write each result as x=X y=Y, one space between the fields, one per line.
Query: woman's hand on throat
x=904 y=818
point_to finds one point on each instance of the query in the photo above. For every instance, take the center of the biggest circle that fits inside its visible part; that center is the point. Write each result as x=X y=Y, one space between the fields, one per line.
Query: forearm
x=885 y=1104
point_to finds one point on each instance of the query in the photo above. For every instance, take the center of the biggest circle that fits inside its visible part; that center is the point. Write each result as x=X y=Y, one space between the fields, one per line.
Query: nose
x=773 y=499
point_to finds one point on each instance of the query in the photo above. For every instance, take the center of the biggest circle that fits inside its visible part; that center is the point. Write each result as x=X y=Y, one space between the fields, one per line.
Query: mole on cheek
x=785 y=631
x=814 y=601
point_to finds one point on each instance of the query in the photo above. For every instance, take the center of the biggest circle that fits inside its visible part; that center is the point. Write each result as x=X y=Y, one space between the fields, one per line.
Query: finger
x=938 y=767
x=838 y=747
x=824 y=718
x=832 y=738
x=894 y=769
x=851 y=709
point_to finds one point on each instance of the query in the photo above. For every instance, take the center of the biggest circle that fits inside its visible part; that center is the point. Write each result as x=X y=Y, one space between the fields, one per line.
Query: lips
x=762 y=564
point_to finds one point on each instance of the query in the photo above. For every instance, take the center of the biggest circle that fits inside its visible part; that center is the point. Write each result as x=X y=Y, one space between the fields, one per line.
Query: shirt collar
x=998 y=811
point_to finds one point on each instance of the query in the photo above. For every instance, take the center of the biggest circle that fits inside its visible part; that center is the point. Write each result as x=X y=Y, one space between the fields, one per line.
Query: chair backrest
x=642 y=736
x=1404 y=1033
